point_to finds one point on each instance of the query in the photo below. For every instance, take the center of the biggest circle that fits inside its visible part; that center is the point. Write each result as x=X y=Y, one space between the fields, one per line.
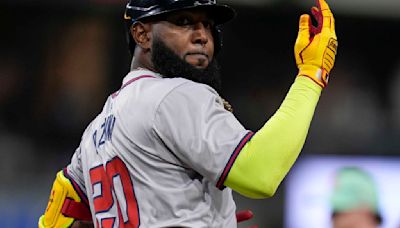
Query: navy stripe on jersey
x=81 y=193
x=232 y=159
x=129 y=82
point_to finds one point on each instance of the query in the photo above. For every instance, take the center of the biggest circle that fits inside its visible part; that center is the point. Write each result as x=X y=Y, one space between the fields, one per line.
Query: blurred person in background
x=354 y=201
x=166 y=146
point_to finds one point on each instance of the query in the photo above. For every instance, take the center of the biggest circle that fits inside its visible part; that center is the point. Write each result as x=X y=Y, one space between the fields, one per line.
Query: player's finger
x=326 y=13
x=304 y=22
x=305 y=27
x=318 y=17
x=324 y=7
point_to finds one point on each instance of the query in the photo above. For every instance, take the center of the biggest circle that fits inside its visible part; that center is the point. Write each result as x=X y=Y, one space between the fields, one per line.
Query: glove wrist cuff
x=315 y=73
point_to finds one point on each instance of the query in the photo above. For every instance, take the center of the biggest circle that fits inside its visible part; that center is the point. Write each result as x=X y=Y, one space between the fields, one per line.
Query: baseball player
x=165 y=151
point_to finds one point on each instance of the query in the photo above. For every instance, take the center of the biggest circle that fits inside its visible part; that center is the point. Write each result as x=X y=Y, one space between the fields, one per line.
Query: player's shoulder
x=189 y=94
x=152 y=83
x=155 y=87
x=149 y=90
x=190 y=89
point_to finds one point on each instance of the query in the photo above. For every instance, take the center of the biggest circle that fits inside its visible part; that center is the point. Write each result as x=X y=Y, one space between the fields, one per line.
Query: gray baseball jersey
x=158 y=154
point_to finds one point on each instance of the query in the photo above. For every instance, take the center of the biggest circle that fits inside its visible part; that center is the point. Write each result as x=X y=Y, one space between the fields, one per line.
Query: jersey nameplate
x=105 y=131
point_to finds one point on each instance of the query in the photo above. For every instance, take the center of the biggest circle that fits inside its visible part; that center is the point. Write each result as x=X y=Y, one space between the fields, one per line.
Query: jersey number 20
x=112 y=187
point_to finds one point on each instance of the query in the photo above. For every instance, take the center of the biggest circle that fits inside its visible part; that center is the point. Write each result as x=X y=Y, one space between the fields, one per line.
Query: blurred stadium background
x=59 y=60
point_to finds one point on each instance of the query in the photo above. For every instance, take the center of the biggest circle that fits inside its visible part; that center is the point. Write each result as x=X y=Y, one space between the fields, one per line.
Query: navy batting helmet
x=137 y=10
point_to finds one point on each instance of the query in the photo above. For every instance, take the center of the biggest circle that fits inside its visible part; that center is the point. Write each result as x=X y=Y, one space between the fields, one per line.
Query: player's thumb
x=304 y=28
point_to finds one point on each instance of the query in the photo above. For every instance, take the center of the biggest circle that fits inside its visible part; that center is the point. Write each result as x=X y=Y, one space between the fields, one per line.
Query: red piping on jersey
x=78 y=189
x=129 y=82
x=232 y=159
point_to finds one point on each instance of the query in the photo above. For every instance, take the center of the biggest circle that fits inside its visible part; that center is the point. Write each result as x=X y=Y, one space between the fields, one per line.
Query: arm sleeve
x=193 y=124
x=266 y=159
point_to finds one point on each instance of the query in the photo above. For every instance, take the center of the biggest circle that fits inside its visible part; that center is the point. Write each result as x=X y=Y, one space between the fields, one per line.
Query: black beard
x=170 y=65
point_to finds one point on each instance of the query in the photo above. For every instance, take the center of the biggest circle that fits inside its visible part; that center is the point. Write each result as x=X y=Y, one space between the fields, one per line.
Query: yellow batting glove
x=63 y=192
x=315 y=47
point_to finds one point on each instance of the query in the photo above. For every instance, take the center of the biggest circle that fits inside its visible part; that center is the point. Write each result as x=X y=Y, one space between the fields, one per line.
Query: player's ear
x=141 y=34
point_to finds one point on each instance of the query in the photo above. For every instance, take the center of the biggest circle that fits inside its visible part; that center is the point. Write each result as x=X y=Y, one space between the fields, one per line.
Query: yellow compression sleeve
x=266 y=159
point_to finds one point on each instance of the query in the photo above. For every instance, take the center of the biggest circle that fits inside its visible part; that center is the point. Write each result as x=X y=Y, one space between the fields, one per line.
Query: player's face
x=189 y=35
x=170 y=65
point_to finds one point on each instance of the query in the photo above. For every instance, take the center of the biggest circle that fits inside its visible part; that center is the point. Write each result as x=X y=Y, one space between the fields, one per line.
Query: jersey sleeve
x=192 y=122
x=74 y=173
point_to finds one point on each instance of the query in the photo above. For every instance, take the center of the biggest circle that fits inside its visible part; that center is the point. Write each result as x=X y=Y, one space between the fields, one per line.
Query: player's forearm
x=267 y=157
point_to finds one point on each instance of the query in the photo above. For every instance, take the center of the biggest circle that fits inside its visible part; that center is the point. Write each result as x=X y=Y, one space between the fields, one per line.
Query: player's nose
x=200 y=33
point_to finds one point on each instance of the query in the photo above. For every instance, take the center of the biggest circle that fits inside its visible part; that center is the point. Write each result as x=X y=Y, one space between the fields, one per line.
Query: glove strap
x=76 y=210
x=316 y=74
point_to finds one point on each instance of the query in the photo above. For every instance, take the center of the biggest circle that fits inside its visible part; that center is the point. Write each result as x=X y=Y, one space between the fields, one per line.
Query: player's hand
x=315 y=47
